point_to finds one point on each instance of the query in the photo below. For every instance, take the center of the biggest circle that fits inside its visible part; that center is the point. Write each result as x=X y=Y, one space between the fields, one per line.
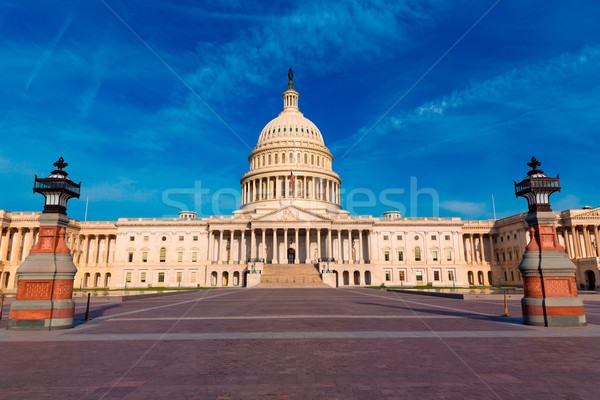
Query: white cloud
x=122 y=190
x=466 y=208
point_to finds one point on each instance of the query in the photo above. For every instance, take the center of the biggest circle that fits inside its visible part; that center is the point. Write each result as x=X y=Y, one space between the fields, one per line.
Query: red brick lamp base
x=45 y=286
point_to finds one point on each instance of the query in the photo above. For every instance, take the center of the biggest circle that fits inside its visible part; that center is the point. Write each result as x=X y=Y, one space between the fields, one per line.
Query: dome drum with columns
x=290 y=165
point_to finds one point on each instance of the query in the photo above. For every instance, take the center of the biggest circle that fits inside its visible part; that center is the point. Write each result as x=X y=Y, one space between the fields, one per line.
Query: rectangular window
x=161 y=277
x=436 y=275
x=130 y=257
x=145 y=256
x=193 y=277
x=142 y=277
x=433 y=237
x=146 y=238
x=386 y=255
x=448 y=255
x=388 y=275
x=180 y=256
x=400 y=256
x=515 y=236
x=401 y=275
x=179 y=275
x=181 y=238
x=128 y=277
x=512 y=275
x=131 y=238
x=505 y=276
x=399 y=237
x=195 y=238
x=386 y=237
x=503 y=257
x=447 y=237
x=194 y=256
x=451 y=275
x=417 y=254
x=419 y=275
x=435 y=255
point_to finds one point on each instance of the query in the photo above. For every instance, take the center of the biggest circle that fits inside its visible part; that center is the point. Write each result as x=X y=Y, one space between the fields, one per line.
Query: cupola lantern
x=537 y=187
x=57 y=189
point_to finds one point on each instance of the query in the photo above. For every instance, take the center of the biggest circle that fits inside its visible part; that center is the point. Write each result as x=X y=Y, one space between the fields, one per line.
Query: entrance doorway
x=291 y=256
x=591 y=278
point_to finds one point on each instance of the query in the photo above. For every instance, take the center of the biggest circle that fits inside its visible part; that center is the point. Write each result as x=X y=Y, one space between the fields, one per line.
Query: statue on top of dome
x=291 y=78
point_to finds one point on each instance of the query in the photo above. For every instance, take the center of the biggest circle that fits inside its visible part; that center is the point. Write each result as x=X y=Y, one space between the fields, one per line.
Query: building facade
x=291 y=213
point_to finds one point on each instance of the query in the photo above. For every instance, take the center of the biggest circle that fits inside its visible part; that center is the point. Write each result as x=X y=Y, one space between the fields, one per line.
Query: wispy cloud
x=508 y=89
x=48 y=51
x=465 y=208
x=124 y=189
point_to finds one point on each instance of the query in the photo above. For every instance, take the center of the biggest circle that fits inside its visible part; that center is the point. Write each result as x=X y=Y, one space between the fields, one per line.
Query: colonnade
x=91 y=249
x=274 y=245
x=578 y=241
x=15 y=243
x=476 y=254
x=281 y=187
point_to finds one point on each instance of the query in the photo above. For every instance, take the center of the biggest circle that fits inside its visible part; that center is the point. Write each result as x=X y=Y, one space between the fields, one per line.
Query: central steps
x=290 y=276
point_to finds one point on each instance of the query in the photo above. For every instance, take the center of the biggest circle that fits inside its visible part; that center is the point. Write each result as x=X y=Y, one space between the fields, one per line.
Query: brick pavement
x=302 y=344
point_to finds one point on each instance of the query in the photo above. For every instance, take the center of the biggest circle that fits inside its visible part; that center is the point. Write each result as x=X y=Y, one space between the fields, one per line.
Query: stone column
x=576 y=250
x=210 y=247
x=596 y=241
x=565 y=234
x=27 y=244
x=252 y=244
x=318 y=244
x=492 y=255
x=4 y=245
x=274 y=252
x=96 y=249
x=220 y=247
x=340 y=256
x=473 y=255
x=285 y=245
x=482 y=244
x=370 y=244
x=350 y=245
x=263 y=244
x=297 y=246
x=360 y=251
x=307 y=249
x=588 y=242
x=16 y=245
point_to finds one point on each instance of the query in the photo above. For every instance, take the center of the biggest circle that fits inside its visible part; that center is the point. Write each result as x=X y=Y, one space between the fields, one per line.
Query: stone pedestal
x=45 y=286
x=253 y=279
x=548 y=278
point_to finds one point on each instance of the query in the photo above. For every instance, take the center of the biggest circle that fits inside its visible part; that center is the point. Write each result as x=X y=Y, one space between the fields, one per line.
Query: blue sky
x=153 y=102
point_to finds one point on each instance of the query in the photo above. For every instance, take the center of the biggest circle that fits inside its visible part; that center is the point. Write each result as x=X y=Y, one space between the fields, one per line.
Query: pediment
x=292 y=214
x=594 y=213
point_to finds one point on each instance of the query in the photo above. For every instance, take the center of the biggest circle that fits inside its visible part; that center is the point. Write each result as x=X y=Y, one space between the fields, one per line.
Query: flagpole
x=87 y=199
x=494 y=206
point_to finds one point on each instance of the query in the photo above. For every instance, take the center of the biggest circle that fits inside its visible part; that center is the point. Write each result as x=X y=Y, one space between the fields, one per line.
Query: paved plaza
x=302 y=344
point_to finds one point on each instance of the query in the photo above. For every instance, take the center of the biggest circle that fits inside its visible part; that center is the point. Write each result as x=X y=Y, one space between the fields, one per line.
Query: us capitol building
x=291 y=224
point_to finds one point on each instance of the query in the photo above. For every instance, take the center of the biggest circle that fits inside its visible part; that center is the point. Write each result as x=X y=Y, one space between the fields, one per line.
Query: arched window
x=480 y=277
x=471 y=278
x=305 y=158
x=213 y=279
x=312 y=159
x=276 y=158
x=417 y=254
x=269 y=159
x=163 y=255
x=283 y=158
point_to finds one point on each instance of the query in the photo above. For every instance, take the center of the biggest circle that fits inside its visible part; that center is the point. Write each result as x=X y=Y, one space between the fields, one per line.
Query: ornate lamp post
x=548 y=273
x=45 y=288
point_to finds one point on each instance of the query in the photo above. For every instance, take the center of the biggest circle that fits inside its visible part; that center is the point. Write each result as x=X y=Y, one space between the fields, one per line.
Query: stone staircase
x=290 y=276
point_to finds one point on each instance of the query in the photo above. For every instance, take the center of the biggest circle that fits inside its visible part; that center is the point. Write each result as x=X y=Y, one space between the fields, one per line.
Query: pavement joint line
x=164 y=306
x=233 y=317
x=453 y=352
x=579 y=332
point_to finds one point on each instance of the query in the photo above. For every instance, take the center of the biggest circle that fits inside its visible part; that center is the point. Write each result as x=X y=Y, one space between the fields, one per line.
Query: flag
x=292 y=177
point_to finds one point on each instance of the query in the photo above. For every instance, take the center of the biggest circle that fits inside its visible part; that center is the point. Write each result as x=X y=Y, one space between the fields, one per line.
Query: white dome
x=293 y=125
